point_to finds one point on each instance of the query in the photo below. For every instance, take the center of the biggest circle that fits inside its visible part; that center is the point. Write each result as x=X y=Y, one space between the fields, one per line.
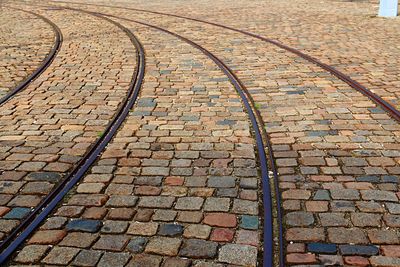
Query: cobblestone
x=47 y=237
x=80 y=240
x=299 y=219
x=322 y=248
x=111 y=242
x=110 y=259
x=31 y=253
x=345 y=236
x=84 y=225
x=137 y=244
x=170 y=230
x=196 y=248
x=197 y=231
x=238 y=254
x=358 y=250
x=164 y=246
x=87 y=258
x=60 y=255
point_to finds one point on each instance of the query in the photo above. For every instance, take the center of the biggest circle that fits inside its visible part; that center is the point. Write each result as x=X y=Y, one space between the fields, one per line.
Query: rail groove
x=45 y=63
x=33 y=220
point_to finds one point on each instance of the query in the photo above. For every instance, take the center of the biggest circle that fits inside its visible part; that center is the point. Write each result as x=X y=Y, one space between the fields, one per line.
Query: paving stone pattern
x=179 y=185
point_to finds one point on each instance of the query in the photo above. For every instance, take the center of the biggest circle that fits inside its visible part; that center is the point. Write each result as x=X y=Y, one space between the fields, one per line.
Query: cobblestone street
x=199 y=133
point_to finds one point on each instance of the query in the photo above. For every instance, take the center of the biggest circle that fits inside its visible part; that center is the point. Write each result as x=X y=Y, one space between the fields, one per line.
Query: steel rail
x=45 y=63
x=35 y=218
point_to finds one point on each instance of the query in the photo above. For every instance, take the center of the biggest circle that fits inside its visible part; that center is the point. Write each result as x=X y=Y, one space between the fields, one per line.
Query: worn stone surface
x=180 y=178
x=31 y=254
x=238 y=254
x=163 y=246
x=195 y=248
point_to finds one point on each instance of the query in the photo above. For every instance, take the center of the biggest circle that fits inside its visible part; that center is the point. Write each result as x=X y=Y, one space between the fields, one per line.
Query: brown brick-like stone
x=220 y=219
x=391 y=250
x=300 y=258
x=163 y=246
x=344 y=236
x=383 y=236
x=305 y=234
x=50 y=237
x=356 y=261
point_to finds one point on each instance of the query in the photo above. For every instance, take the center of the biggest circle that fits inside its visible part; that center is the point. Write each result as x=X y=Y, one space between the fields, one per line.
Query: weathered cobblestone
x=195 y=248
x=84 y=225
x=163 y=246
x=87 y=258
x=299 y=219
x=345 y=236
x=238 y=254
x=60 y=255
x=358 y=250
x=80 y=240
x=137 y=244
x=110 y=259
x=31 y=254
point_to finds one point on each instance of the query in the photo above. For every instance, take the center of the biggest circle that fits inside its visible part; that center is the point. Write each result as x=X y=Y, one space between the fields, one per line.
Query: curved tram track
x=46 y=62
x=34 y=219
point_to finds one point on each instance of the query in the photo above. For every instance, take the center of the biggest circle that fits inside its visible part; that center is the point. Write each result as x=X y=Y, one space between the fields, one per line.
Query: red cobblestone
x=301 y=258
x=50 y=237
x=356 y=261
x=222 y=235
x=220 y=219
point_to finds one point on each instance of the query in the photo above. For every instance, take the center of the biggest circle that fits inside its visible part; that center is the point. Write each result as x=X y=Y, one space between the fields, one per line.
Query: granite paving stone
x=83 y=225
x=163 y=246
x=137 y=244
x=196 y=248
x=87 y=258
x=31 y=253
x=238 y=254
x=61 y=255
